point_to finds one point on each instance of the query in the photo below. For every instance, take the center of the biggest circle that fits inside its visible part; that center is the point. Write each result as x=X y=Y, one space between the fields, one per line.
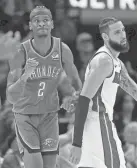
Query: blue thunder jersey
x=40 y=93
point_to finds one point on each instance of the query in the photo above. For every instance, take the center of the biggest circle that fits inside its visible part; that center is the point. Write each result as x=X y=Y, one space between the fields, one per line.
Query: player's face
x=41 y=25
x=117 y=37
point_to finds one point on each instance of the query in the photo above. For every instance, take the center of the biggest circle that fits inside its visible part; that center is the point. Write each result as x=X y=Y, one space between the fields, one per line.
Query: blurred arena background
x=76 y=23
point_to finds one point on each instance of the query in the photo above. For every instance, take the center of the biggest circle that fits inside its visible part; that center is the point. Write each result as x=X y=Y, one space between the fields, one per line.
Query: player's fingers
x=71 y=107
x=71 y=159
x=72 y=110
x=32 y=62
x=32 y=58
x=68 y=109
x=74 y=160
x=62 y=105
x=77 y=161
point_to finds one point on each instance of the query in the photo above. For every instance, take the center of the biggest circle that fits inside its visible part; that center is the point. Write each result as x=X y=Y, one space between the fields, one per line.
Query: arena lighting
x=94 y=10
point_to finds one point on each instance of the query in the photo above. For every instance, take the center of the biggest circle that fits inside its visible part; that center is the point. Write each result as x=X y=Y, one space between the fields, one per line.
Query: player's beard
x=122 y=48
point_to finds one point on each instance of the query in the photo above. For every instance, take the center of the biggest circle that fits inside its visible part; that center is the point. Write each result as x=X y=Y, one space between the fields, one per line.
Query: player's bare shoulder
x=67 y=55
x=103 y=63
x=65 y=46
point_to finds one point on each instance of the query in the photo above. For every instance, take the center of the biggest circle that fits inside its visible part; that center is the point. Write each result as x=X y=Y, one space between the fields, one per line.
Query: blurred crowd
x=83 y=41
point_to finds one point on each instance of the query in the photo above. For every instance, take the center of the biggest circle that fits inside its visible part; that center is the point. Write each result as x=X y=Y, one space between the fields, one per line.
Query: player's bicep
x=69 y=67
x=92 y=83
x=100 y=69
x=68 y=61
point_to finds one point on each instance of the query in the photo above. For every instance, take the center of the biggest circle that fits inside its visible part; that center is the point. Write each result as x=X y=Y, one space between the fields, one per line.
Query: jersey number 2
x=42 y=88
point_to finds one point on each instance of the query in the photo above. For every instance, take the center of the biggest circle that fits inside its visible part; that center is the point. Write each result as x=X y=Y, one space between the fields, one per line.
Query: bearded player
x=32 y=89
x=96 y=143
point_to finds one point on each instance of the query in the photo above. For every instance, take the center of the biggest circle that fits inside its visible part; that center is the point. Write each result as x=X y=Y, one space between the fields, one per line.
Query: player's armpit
x=127 y=84
x=101 y=68
x=70 y=68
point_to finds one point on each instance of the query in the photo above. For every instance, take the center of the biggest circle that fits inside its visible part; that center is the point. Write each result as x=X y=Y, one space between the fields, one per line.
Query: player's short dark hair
x=104 y=24
x=40 y=10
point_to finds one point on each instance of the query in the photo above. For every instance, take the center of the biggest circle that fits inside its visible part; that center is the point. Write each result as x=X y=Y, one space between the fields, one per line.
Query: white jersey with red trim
x=101 y=147
x=106 y=95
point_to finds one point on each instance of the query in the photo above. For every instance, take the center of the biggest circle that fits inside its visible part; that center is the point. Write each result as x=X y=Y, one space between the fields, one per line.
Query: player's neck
x=42 y=45
x=114 y=53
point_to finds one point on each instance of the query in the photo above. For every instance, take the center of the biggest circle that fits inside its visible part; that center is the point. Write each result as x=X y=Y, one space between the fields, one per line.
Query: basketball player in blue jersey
x=33 y=90
x=95 y=141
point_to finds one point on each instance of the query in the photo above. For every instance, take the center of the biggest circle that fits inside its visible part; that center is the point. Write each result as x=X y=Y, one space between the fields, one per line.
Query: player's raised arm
x=70 y=68
x=127 y=84
x=15 y=84
x=101 y=67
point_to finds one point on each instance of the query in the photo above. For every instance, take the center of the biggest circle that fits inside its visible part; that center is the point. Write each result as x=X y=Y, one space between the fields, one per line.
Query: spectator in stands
x=7 y=134
x=8 y=47
x=85 y=51
x=123 y=114
x=12 y=158
x=130 y=137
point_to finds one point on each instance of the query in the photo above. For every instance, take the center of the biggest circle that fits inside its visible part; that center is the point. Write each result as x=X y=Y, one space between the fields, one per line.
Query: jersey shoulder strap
x=96 y=55
x=58 y=48
x=26 y=46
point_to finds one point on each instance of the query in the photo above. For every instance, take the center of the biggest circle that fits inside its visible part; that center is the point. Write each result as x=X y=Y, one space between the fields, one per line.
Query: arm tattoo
x=128 y=85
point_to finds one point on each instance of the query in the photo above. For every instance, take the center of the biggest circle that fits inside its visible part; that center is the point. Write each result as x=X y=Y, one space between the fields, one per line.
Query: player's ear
x=30 y=27
x=52 y=25
x=105 y=36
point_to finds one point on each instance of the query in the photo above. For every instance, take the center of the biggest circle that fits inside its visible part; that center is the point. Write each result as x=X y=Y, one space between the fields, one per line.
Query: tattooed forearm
x=128 y=85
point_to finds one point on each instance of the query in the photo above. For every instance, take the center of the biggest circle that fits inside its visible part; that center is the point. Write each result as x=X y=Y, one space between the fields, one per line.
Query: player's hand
x=9 y=43
x=30 y=66
x=67 y=104
x=75 y=155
